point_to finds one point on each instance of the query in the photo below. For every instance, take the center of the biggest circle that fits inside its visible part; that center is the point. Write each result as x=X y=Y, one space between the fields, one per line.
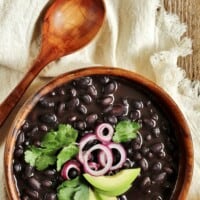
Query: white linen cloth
x=137 y=35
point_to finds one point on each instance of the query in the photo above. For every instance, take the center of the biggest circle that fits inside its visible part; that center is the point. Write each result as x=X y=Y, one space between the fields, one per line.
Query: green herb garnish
x=125 y=131
x=55 y=146
x=74 y=189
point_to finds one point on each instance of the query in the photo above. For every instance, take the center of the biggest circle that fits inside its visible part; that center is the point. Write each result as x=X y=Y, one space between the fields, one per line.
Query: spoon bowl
x=68 y=26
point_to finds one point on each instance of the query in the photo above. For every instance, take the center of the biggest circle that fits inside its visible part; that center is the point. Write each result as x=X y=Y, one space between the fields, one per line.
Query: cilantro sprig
x=56 y=146
x=73 y=189
x=125 y=131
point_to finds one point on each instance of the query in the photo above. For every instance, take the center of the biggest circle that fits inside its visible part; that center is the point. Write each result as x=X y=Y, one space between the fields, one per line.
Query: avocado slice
x=114 y=192
x=92 y=195
x=120 y=181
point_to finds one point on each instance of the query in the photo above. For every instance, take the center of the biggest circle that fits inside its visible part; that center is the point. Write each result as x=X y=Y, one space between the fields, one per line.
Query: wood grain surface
x=189 y=13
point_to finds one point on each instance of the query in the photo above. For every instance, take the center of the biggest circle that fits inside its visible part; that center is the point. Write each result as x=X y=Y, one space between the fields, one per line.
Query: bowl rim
x=186 y=162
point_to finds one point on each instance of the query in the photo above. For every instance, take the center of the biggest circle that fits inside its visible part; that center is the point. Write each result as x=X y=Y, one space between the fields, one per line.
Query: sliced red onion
x=69 y=165
x=93 y=165
x=109 y=159
x=101 y=135
x=87 y=138
x=122 y=152
x=102 y=158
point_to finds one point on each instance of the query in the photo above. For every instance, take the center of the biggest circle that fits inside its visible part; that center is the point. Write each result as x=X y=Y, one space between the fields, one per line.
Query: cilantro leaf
x=43 y=161
x=31 y=155
x=74 y=189
x=125 y=131
x=64 y=136
x=53 y=142
x=66 y=154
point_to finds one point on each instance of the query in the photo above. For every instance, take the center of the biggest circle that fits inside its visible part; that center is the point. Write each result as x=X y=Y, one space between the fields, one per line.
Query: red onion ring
x=100 y=132
x=93 y=165
x=87 y=138
x=106 y=168
x=67 y=166
x=122 y=152
x=102 y=158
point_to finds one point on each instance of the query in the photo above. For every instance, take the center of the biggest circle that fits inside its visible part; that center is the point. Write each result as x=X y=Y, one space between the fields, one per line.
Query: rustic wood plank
x=189 y=13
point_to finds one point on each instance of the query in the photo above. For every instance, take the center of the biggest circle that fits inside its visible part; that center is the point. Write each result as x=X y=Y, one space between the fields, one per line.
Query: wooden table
x=189 y=13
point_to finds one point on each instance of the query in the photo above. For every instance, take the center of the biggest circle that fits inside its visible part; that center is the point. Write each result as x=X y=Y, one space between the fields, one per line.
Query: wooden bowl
x=182 y=131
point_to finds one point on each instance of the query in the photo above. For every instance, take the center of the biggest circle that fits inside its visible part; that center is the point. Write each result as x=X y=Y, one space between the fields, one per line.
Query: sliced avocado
x=92 y=195
x=114 y=192
x=119 y=181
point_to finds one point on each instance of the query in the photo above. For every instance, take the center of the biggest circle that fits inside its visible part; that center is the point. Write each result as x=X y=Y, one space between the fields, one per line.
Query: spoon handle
x=11 y=101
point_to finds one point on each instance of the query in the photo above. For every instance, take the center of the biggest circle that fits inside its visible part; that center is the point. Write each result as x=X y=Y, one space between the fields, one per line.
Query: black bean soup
x=86 y=102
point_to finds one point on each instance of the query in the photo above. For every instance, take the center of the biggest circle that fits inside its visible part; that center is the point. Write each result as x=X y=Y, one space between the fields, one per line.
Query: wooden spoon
x=68 y=26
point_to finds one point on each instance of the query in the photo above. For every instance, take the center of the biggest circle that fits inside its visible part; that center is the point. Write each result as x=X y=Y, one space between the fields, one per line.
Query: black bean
x=61 y=91
x=137 y=156
x=43 y=128
x=107 y=100
x=104 y=79
x=138 y=104
x=112 y=119
x=169 y=170
x=150 y=155
x=50 y=172
x=25 y=197
x=144 y=164
x=107 y=109
x=158 y=198
x=128 y=164
x=160 y=177
x=32 y=193
x=61 y=108
x=150 y=123
x=37 y=143
x=50 y=196
x=162 y=154
x=47 y=183
x=17 y=167
x=123 y=197
x=148 y=137
x=53 y=93
x=157 y=166
x=25 y=126
x=87 y=99
x=82 y=109
x=145 y=150
x=92 y=90
x=110 y=88
x=84 y=82
x=19 y=152
x=155 y=116
x=81 y=125
x=73 y=92
x=145 y=182
x=48 y=118
x=20 y=139
x=73 y=103
x=46 y=103
x=91 y=119
x=157 y=147
x=29 y=171
x=119 y=110
x=134 y=115
x=72 y=118
x=156 y=132
x=34 y=183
